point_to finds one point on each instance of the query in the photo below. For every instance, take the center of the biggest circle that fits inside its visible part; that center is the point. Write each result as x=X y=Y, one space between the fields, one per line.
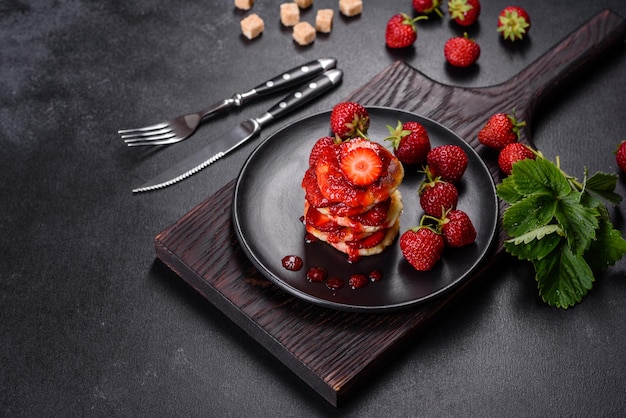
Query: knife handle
x=302 y=95
x=291 y=78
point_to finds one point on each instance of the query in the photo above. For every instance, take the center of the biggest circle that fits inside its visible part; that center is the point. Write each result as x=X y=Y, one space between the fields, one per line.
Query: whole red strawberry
x=457 y=229
x=349 y=120
x=461 y=51
x=513 y=23
x=427 y=6
x=500 y=130
x=401 y=31
x=319 y=147
x=620 y=156
x=437 y=197
x=511 y=154
x=410 y=142
x=448 y=162
x=464 y=12
x=421 y=247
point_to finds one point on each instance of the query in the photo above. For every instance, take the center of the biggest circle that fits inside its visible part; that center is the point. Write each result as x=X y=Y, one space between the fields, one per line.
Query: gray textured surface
x=91 y=324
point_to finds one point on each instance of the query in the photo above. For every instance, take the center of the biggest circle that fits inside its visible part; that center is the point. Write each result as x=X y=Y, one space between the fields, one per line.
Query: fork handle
x=302 y=95
x=293 y=77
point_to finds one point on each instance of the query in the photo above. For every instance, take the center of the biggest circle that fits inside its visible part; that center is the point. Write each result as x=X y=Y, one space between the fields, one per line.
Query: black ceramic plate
x=269 y=201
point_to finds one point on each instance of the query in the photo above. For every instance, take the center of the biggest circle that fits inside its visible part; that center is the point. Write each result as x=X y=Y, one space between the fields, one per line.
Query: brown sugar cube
x=324 y=20
x=350 y=7
x=303 y=33
x=244 y=4
x=303 y=4
x=252 y=26
x=289 y=14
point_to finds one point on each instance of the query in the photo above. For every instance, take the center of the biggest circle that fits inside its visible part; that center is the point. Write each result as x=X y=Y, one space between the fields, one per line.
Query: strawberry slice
x=320 y=221
x=362 y=166
x=369 y=241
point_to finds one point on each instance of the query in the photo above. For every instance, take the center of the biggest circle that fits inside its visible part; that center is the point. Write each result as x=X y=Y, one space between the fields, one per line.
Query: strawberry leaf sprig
x=561 y=225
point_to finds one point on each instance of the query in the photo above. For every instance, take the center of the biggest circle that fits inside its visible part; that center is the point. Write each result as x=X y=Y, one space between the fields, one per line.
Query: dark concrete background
x=92 y=324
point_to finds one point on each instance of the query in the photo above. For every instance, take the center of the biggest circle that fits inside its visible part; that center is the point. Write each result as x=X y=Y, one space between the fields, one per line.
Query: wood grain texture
x=332 y=351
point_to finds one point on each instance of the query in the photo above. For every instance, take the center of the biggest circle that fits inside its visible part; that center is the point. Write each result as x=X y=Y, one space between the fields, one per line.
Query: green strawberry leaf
x=538 y=243
x=578 y=222
x=608 y=247
x=603 y=185
x=530 y=213
x=507 y=190
x=540 y=176
x=563 y=278
x=562 y=226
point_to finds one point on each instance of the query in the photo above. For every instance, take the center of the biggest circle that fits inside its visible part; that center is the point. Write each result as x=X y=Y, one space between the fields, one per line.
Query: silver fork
x=184 y=126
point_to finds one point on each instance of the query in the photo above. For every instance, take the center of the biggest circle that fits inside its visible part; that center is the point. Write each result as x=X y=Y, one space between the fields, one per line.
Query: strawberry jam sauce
x=335 y=283
x=318 y=274
x=292 y=262
x=358 y=281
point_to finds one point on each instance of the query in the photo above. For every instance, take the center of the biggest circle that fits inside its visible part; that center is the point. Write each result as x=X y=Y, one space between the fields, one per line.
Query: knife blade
x=242 y=133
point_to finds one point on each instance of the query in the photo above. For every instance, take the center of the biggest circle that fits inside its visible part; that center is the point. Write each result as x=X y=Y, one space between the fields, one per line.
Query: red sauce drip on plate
x=316 y=274
x=292 y=262
x=335 y=283
x=358 y=281
x=375 y=276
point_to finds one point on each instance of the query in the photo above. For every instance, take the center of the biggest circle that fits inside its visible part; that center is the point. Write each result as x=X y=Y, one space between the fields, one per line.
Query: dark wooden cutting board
x=333 y=351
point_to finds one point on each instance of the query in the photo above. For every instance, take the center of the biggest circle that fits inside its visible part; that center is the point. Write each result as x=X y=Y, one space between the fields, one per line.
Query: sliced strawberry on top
x=318 y=148
x=361 y=166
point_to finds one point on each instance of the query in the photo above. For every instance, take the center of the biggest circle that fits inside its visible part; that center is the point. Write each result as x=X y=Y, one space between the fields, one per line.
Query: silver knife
x=241 y=134
x=291 y=78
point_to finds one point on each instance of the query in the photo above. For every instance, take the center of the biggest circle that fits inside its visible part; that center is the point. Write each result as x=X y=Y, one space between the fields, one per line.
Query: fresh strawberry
x=464 y=12
x=349 y=119
x=511 y=154
x=401 y=31
x=620 y=156
x=461 y=51
x=319 y=147
x=410 y=142
x=427 y=7
x=361 y=166
x=513 y=23
x=421 y=247
x=500 y=130
x=448 y=162
x=457 y=229
x=437 y=196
